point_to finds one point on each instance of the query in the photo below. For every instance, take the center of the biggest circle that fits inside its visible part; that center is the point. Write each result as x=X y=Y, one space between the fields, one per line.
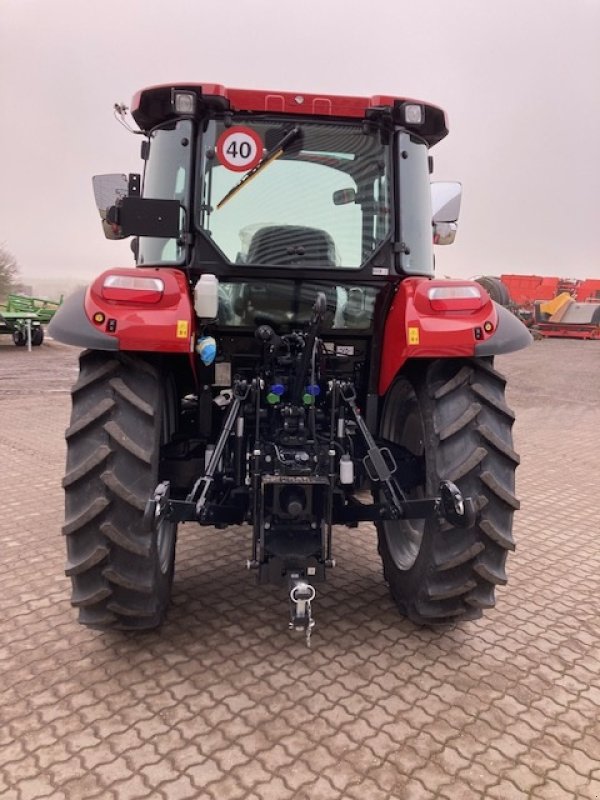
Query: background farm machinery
x=553 y=307
x=22 y=317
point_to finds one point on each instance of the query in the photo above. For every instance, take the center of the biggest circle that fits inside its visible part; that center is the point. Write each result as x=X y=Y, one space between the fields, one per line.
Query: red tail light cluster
x=447 y=296
x=132 y=289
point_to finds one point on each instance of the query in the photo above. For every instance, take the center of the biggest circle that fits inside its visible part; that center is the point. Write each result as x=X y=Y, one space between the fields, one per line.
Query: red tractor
x=281 y=346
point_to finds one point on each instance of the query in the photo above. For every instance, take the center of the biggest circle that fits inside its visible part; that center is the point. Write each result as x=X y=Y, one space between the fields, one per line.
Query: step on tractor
x=282 y=357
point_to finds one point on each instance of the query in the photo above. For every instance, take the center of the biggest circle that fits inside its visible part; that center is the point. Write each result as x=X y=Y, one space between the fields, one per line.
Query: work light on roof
x=184 y=102
x=414 y=114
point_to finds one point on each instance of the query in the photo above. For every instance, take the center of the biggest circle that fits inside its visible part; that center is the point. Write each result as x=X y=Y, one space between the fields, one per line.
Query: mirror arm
x=134 y=184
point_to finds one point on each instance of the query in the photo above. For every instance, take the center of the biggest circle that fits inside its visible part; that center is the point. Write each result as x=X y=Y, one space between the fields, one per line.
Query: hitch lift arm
x=381 y=465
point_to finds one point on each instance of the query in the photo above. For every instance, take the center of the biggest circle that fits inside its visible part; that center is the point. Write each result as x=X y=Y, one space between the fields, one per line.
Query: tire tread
x=113 y=443
x=457 y=571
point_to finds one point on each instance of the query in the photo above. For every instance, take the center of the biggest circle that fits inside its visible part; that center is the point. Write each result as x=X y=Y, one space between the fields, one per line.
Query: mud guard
x=445 y=319
x=510 y=335
x=71 y=325
x=101 y=317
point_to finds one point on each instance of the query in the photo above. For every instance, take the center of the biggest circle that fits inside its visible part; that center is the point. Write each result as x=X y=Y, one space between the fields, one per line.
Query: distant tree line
x=9 y=274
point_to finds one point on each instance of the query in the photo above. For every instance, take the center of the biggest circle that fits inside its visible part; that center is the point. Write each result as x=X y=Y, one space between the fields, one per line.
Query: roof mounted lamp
x=183 y=103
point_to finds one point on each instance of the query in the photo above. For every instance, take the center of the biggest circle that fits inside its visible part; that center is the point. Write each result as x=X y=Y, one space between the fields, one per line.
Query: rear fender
x=474 y=326
x=159 y=324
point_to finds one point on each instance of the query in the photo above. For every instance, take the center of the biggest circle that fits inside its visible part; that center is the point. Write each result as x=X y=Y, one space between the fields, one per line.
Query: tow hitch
x=301 y=596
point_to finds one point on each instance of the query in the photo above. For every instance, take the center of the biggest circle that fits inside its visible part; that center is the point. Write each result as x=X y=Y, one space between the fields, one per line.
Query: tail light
x=132 y=289
x=455 y=297
x=461 y=297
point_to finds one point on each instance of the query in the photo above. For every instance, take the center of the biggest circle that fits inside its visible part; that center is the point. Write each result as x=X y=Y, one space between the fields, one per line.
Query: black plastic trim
x=510 y=335
x=70 y=325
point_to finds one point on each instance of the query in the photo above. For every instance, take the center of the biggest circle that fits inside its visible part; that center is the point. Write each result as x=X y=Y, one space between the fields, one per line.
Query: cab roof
x=153 y=105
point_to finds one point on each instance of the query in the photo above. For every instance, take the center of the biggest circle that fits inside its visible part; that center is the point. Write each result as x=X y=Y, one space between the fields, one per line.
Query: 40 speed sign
x=239 y=148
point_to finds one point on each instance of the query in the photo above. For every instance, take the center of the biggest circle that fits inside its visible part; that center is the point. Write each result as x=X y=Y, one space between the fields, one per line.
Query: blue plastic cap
x=207 y=349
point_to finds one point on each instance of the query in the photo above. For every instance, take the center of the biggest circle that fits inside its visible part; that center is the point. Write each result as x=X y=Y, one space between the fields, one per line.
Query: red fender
x=160 y=321
x=421 y=325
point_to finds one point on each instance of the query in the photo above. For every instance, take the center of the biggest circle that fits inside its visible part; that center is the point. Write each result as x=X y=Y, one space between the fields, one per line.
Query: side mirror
x=343 y=196
x=108 y=191
x=445 y=200
x=445 y=206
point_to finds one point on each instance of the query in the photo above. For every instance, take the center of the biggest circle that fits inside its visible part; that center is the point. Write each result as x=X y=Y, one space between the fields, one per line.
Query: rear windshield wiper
x=271 y=156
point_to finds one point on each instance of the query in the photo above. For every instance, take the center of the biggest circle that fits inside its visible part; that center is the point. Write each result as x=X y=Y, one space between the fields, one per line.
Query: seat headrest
x=292 y=244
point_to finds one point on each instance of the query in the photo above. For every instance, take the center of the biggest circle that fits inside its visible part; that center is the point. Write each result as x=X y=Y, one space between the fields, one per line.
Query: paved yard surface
x=225 y=703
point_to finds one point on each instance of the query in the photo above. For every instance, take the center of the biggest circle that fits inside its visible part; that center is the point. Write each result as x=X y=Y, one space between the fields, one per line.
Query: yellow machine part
x=552 y=306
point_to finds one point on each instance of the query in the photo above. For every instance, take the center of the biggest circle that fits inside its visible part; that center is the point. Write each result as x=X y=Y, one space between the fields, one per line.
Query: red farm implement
x=555 y=307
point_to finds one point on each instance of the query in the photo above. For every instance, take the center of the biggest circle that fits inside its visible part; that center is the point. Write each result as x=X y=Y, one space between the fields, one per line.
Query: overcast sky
x=520 y=80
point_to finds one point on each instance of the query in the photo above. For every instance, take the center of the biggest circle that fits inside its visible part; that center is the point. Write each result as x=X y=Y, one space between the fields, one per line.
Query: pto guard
x=421 y=325
x=104 y=318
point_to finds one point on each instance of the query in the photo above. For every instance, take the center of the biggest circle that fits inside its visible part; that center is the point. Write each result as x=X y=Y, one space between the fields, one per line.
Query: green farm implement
x=23 y=317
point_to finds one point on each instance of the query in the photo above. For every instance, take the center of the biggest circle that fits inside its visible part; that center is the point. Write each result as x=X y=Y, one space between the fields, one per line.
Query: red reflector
x=131 y=295
x=456 y=304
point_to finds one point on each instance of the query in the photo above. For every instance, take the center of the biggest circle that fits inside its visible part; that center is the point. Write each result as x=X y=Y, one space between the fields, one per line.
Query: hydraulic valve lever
x=319 y=309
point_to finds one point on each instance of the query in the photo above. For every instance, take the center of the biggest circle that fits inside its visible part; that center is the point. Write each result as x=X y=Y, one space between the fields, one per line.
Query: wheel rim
x=403 y=424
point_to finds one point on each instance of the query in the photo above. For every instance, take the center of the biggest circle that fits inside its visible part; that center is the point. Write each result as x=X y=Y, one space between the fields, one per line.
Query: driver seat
x=291 y=245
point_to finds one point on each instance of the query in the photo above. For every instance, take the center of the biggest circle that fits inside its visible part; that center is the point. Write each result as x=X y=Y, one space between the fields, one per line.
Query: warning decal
x=182 y=329
x=239 y=148
x=413 y=335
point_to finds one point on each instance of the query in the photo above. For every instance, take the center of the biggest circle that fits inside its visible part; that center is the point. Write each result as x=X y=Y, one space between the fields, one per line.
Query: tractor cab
x=265 y=188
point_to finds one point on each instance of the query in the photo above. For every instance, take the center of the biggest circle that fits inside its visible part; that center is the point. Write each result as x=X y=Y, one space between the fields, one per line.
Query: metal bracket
x=454 y=508
x=157 y=506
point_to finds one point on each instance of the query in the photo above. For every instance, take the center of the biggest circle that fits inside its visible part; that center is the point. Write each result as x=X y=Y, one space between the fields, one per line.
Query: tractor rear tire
x=453 y=415
x=123 y=412
x=497 y=290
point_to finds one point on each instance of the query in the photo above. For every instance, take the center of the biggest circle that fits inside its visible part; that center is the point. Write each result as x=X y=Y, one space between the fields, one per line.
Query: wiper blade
x=271 y=156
